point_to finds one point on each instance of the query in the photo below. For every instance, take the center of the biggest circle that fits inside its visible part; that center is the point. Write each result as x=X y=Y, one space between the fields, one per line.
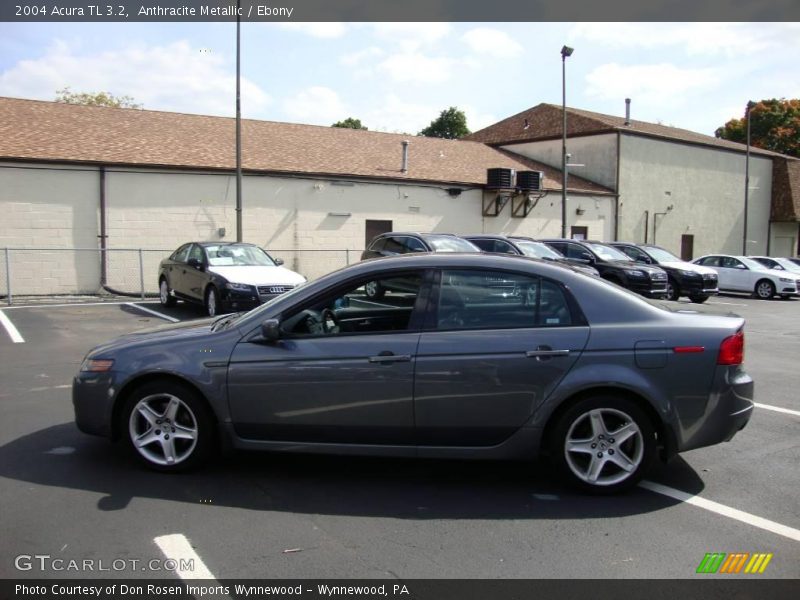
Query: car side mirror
x=195 y=263
x=586 y=257
x=271 y=330
x=279 y=261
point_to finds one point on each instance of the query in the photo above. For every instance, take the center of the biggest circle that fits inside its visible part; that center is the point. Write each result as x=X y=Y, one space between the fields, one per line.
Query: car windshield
x=446 y=243
x=787 y=264
x=609 y=253
x=238 y=255
x=538 y=250
x=661 y=255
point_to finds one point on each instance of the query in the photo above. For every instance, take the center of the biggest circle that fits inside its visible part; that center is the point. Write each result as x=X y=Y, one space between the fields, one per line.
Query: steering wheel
x=330 y=322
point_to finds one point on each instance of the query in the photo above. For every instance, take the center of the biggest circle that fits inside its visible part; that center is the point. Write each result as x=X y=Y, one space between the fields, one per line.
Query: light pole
x=750 y=105
x=565 y=52
x=238 y=127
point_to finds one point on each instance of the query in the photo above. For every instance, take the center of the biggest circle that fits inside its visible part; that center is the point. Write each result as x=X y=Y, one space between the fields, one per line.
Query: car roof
x=205 y=244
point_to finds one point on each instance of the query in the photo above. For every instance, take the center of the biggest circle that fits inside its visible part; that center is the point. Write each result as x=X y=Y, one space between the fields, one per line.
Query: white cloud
x=411 y=36
x=318 y=30
x=661 y=85
x=396 y=116
x=477 y=120
x=492 y=42
x=317 y=105
x=356 y=58
x=730 y=39
x=416 y=68
x=174 y=77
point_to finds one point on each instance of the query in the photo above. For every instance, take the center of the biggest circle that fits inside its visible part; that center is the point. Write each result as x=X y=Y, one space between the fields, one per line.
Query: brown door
x=579 y=232
x=687 y=247
x=374 y=227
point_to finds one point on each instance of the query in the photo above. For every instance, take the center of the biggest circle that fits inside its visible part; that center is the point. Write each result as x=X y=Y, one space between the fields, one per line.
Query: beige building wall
x=784 y=239
x=704 y=187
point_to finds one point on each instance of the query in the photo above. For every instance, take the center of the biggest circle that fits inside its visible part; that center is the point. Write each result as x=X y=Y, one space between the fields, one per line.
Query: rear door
x=496 y=346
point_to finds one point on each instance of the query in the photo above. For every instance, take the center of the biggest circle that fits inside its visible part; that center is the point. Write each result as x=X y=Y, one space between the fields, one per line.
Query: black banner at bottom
x=412 y=589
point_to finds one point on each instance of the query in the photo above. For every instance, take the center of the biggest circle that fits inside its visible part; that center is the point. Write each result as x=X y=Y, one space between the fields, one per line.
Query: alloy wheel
x=163 y=429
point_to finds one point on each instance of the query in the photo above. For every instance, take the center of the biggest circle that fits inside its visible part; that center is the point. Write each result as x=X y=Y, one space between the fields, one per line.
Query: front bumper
x=699 y=286
x=93 y=402
x=240 y=300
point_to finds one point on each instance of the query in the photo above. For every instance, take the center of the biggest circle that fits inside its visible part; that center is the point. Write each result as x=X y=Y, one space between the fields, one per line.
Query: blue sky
x=398 y=77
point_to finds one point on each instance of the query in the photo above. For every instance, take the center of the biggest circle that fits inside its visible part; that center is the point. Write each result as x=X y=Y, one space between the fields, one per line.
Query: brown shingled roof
x=786 y=190
x=544 y=121
x=50 y=131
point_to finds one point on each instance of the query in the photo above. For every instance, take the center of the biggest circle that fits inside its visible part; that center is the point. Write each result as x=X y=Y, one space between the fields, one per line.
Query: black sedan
x=684 y=278
x=595 y=378
x=525 y=246
x=223 y=276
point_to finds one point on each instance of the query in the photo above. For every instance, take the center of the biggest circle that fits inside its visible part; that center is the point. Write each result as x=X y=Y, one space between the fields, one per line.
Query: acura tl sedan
x=595 y=378
x=223 y=276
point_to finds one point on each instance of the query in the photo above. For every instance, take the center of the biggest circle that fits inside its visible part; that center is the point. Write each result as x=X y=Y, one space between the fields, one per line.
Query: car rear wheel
x=603 y=444
x=212 y=302
x=168 y=426
x=698 y=299
x=673 y=291
x=374 y=290
x=765 y=289
x=165 y=294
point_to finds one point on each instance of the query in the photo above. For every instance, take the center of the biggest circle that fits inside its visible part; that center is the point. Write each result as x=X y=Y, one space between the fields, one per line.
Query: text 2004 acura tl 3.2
x=477 y=356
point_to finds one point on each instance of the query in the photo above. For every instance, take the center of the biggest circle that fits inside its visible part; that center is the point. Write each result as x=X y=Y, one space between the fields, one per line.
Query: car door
x=738 y=276
x=193 y=276
x=174 y=267
x=351 y=386
x=486 y=361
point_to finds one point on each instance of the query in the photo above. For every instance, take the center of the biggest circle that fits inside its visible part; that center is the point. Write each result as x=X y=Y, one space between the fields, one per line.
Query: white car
x=743 y=274
x=779 y=264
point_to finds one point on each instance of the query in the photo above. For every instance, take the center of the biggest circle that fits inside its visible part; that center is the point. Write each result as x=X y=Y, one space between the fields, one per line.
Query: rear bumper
x=728 y=410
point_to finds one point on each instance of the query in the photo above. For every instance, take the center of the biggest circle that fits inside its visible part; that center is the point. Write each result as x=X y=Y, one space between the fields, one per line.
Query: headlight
x=241 y=287
x=787 y=280
x=635 y=273
x=97 y=365
x=688 y=273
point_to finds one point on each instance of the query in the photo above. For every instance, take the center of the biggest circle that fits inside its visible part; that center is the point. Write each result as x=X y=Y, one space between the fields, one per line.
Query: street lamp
x=238 y=125
x=565 y=52
x=750 y=105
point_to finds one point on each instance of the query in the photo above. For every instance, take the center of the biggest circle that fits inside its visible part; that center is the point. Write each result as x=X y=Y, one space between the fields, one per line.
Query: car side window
x=504 y=247
x=574 y=251
x=728 y=262
x=635 y=254
x=485 y=245
x=196 y=253
x=499 y=300
x=353 y=310
x=710 y=261
x=181 y=254
x=394 y=245
x=378 y=244
x=414 y=245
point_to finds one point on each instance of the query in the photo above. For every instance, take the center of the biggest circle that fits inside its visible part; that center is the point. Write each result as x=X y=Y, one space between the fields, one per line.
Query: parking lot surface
x=72 y=496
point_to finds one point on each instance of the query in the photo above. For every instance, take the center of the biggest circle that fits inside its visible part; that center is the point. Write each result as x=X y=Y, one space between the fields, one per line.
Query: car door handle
x=390 y=357
x=546 y=352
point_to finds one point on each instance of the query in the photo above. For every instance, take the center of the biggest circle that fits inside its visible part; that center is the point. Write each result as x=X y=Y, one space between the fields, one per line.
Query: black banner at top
x=397 y=10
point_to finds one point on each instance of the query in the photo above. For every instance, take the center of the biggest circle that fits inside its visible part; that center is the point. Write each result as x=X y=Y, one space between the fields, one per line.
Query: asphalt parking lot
x=72 y=496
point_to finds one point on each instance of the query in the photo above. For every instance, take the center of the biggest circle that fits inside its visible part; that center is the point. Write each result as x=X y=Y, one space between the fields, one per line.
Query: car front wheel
x=673 y=291
x=765 y=289
x=212 y=302
x=603 y=444
x=168 y=426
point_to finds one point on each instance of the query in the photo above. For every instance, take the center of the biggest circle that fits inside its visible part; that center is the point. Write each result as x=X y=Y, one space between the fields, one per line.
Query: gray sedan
x=479 y=356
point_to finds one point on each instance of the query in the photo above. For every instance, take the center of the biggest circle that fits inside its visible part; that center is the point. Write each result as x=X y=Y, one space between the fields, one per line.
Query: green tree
x=774 y=125
x=350 y=123
x=451 y=124
x=95 y=99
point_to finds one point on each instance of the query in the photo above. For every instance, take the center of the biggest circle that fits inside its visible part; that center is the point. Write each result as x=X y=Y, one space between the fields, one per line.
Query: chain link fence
x=128 y=272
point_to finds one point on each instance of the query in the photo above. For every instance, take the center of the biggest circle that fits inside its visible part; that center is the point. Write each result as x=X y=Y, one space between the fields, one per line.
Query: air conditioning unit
x=530 y=181
x=500 y=179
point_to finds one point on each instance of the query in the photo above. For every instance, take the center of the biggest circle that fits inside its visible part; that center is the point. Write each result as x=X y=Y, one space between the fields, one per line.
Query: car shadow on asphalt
x=61 y=456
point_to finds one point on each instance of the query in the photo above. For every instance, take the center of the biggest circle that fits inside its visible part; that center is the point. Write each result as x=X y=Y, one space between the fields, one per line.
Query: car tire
x=165 y=294
x=586 y=452
x=698 y=299
x=211 y=302
x=167 y=426
x=764 y=289
x=374 y=290
x=673 y=290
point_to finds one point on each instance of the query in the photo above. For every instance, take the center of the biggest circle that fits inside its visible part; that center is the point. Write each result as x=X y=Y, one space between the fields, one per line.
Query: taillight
x=731 y=351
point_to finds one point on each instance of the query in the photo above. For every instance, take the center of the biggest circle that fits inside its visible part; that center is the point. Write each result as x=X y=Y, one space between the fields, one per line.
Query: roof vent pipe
x=627 y=111
x=404 y=169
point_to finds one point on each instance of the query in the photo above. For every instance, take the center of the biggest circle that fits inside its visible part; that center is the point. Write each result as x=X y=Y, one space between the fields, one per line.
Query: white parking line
x=721 y=509
x=796 y=413
x=153 y=312
x=176 y=547
x=67 y=304
x=728 y=303
x=12 y=331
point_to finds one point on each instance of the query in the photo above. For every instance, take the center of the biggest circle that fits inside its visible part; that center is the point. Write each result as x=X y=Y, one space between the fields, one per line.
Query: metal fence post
x=8 y=277
x=347 y=255
x=141 y=273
